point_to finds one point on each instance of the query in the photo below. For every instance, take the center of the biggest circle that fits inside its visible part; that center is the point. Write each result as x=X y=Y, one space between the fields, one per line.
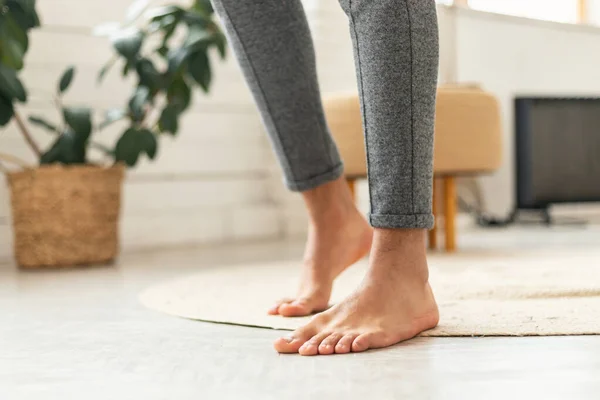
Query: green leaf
x=179 y=95
x=193 y=18
x=221 y=42
x=199 y=69
x=26 y=5
x=10 y=85
x=13 y=40
x=133 y=143
x=66 y=79
x=203 y=6
x=105 y=69
x=6 y=110
x=168 y=26
x=128 y=43
x=168 y=121
x=137 y=102
x=23 y=13
x=111 y=116
x=35 y=19
x=128 y=147
x=176 y=59
x=61 y=151
x=148 y=142
x=15 y=31
x=12 y=53
x=148 y=74
x=103 y=72
x=158 y=13
x=79 y=120
x=198 y=38
x=39 y=121
x=126 y=67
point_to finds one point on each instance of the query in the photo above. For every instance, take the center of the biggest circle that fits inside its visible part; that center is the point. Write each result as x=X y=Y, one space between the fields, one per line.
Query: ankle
x=329 y=203
x=398 y=239
x=401 y=252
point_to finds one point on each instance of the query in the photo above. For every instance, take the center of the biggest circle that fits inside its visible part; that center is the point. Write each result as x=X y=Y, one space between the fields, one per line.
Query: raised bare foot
x=338 y=236
x=393 y=303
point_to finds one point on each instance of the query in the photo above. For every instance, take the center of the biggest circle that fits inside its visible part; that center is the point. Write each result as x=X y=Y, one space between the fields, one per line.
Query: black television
x=557 y=151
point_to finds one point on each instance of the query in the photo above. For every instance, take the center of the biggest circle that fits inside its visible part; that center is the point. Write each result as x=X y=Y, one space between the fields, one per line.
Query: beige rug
x=531 y=293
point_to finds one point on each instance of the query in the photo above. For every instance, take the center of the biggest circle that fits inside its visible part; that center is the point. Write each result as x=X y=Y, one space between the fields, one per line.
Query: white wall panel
x=209 y=184
x=513 y=56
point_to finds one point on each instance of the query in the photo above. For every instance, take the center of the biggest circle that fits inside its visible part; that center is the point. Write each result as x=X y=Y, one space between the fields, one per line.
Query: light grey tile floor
x=81 y=334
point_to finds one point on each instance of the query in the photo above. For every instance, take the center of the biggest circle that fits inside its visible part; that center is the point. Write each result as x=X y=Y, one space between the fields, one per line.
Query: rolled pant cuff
x=413 y=221
x=313 y=182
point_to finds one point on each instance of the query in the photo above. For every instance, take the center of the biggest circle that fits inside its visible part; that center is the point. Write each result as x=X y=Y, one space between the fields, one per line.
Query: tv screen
x=557 y=150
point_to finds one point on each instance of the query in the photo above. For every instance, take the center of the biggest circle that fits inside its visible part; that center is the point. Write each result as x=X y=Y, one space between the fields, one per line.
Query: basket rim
x=62 y=168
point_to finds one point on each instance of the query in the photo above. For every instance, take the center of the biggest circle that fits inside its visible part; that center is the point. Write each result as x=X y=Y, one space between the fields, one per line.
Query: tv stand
x=545 y=217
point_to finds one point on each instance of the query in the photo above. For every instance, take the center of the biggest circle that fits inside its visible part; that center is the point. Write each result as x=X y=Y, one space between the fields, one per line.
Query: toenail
x=288 y=339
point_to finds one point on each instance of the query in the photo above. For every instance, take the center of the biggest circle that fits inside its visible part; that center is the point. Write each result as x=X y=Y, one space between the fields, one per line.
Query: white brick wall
x=209 y=184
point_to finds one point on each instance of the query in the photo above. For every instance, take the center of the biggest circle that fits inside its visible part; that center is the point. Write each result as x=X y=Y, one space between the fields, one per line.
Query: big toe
x=288 y=344
x=275 y=309
x=293 y=342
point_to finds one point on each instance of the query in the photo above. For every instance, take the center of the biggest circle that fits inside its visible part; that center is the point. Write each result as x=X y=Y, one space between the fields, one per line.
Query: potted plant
x=65 y=210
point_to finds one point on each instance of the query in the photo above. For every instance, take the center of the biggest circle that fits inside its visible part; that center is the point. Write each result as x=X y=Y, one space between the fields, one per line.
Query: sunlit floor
x=81 y=334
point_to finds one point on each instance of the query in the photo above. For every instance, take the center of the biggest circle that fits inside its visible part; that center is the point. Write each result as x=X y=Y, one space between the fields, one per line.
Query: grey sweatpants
x=396 y=54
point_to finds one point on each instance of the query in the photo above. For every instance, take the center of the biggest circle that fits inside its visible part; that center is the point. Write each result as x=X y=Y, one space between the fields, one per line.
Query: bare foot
x=338 y=236
x=394 y=303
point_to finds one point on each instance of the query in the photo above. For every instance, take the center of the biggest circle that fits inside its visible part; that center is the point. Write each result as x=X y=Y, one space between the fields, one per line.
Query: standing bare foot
x=394 y=302
x=338 y=236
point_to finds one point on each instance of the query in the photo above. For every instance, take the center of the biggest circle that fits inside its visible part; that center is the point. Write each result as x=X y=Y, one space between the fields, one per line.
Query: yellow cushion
x=345 y=122
x=468 y=137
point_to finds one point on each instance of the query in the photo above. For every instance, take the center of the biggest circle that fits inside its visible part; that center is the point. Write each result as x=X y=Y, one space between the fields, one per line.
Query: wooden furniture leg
x=352 y=186
x=450 y=212
x=433 y=232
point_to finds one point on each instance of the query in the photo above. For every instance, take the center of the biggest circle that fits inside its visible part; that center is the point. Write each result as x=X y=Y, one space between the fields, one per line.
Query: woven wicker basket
x=65 y=215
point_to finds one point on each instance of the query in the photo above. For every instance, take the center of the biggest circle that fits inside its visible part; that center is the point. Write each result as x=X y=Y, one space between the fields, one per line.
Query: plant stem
x=27 y=135
x=59 y=107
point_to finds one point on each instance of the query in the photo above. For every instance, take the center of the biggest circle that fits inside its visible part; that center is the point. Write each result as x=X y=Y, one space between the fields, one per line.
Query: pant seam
x=363 y=104
x=262 y=92
x=412 y=104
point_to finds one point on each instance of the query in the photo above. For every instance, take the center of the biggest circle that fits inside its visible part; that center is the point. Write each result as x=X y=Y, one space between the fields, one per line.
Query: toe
x=328 y=344
x=293 y=342
x=296 y=308
x=275 y=309
x=345 y=344
x=288 y=344
x=311 y=348
x=361 y=343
